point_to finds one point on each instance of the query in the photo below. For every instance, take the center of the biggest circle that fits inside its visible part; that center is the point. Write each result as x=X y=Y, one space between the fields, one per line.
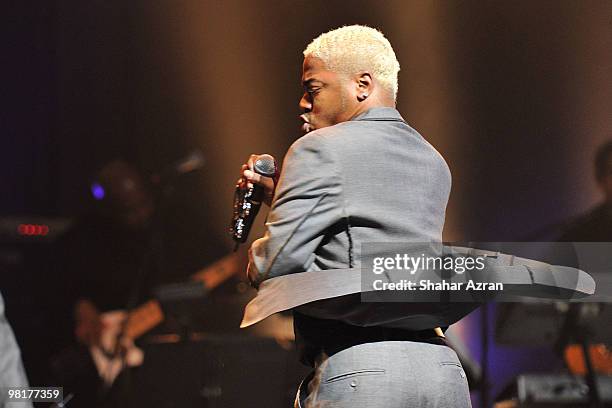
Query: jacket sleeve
x=306 y=203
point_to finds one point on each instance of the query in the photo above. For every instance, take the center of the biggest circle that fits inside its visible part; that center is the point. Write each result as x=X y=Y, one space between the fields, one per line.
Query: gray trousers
x=388 y=374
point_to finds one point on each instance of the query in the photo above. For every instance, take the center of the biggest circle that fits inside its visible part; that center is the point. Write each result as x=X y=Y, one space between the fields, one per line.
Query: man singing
x=361 y=174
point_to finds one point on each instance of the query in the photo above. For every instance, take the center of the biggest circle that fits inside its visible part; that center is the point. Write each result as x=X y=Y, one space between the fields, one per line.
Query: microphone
x=247 y=201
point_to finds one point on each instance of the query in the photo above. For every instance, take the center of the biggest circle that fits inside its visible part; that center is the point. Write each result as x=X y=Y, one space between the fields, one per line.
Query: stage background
x=515 y=95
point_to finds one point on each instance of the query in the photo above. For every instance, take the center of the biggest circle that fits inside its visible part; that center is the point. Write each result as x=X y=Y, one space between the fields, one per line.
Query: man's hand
x=88 y=324
x=249 y=177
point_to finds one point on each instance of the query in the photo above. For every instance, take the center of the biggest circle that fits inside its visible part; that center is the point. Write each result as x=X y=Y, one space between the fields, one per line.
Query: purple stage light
x=97 y=191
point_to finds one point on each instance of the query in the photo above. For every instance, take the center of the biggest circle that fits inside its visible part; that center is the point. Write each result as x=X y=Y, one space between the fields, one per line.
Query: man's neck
x=366 y=105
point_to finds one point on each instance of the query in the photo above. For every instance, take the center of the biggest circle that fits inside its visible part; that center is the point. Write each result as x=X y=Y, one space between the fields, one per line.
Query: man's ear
x=365 y=85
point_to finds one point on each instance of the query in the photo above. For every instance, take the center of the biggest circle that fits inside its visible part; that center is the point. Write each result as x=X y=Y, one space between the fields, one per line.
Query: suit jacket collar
x=382 y=113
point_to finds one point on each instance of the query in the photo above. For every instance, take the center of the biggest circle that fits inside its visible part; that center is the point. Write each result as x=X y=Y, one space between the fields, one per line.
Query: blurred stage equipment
x=571 y=328
x=560 y=390
x=29 y=285
x=31 y=228
x=247 y=200
x=218 y=372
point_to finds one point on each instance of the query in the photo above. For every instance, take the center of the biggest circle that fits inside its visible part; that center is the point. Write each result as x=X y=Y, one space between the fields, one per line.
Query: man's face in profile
x=327 y=98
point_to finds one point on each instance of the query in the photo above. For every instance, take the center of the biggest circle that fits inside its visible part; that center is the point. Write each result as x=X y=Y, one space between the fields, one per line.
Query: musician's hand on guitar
x=88 y=324
x=250 y=177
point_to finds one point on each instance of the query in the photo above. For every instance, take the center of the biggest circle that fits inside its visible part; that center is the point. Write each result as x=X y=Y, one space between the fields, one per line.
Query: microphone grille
x=265 y=165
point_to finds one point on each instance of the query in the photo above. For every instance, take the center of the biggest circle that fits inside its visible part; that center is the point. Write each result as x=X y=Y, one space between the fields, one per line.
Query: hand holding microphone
x=261 y=170
x=256 y=185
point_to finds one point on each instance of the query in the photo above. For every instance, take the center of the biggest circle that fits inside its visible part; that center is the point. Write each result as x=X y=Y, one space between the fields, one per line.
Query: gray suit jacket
x=371 y=179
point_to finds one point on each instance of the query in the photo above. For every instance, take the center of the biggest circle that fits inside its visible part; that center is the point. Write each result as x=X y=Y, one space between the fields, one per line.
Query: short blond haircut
x=355 y=48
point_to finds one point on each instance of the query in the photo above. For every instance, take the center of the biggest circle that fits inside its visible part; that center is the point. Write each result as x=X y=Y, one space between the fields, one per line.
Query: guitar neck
x=143 y=318
x=148 y=315
x=221 y=270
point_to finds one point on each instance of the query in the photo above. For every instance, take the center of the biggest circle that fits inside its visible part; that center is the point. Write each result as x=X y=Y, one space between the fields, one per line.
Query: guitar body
x=110 y=358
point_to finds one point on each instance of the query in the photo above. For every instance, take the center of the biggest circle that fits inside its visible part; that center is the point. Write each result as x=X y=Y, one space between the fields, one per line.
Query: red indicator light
x=33 y=229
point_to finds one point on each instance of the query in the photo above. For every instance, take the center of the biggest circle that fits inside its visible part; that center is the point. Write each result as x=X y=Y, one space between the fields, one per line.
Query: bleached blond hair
x=355 y=48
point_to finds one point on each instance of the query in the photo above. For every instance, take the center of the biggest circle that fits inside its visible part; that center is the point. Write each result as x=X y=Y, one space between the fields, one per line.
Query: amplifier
x=217 y=372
